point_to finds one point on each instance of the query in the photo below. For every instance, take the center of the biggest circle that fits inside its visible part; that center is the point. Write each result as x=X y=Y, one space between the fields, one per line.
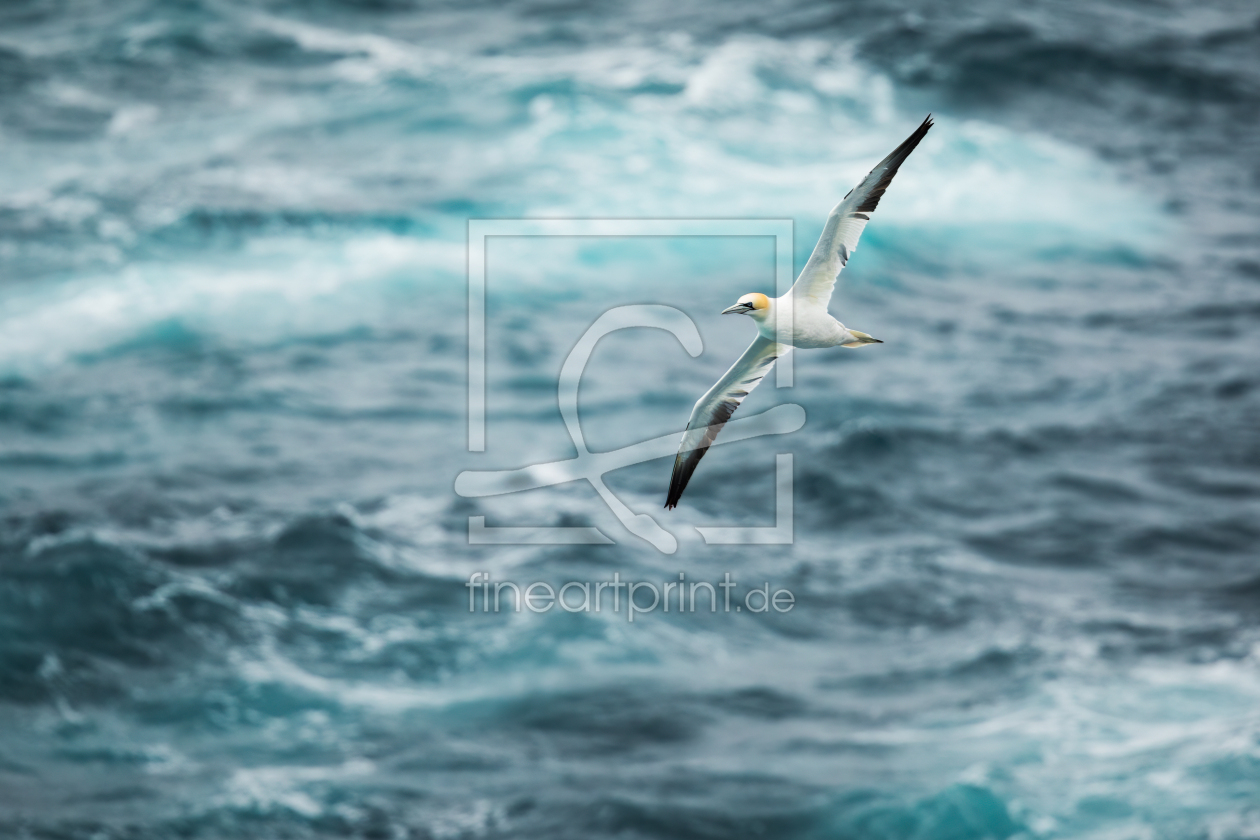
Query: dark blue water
x=1026 y=564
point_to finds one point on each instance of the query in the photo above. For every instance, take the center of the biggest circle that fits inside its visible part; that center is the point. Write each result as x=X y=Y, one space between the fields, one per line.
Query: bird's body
x=800 y=324
x=797 y=319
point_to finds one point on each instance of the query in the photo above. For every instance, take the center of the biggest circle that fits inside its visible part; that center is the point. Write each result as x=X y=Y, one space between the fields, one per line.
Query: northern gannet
x=811 y=325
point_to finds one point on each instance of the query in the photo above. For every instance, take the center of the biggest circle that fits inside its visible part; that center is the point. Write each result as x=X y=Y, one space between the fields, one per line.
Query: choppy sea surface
x=1026 y=558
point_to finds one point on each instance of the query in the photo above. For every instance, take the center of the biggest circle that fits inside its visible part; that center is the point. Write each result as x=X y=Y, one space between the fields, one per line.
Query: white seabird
x=811 y=325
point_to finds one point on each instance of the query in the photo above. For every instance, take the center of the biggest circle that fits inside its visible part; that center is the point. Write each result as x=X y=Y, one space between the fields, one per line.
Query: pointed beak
x=738 y=309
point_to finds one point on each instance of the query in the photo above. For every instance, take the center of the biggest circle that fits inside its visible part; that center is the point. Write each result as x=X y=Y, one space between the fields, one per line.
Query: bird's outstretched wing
x=716 y=407
x=846 y=222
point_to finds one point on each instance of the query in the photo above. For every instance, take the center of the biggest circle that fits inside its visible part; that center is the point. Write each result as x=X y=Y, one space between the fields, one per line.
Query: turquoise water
x=233 y=390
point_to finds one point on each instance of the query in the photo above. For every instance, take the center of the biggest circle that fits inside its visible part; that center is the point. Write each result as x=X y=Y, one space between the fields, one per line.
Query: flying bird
x=811 y=325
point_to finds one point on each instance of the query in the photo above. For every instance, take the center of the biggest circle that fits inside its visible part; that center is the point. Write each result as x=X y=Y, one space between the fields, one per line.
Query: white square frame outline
x=782 y=231
x=479 y=230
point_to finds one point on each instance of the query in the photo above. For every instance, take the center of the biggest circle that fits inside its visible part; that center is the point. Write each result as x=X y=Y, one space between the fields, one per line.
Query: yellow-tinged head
x=749 y=304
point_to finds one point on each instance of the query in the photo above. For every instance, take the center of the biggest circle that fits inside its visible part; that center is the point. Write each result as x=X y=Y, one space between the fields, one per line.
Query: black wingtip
x=677 y=484
x=675 y=490
x=893 y=163
x=907 y=146
x=684 y=466
x=918 y=134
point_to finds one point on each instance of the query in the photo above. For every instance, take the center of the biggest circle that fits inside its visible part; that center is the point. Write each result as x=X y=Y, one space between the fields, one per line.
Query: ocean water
x=233 y=402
